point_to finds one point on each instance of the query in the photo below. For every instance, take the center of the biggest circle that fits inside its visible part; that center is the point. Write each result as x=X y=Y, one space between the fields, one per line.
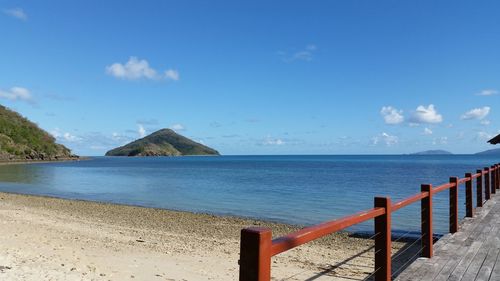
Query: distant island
x=164 y=142
x=22 y=140
x=495 y=151
x=432 y=152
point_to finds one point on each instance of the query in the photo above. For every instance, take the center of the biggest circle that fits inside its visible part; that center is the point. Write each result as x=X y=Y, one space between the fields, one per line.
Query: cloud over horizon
x=476 y=113
x=178 y=127
x=141 y=131
x=387 y=139
x=135 y=69
x=391 y=115
x=17 y=93
x=427 y=114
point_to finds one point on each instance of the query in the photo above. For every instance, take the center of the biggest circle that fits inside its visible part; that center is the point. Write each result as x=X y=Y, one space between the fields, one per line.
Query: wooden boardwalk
x=472 y=253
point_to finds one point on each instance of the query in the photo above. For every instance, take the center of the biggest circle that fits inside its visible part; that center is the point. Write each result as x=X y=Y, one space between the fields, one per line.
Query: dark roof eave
x=495 y=140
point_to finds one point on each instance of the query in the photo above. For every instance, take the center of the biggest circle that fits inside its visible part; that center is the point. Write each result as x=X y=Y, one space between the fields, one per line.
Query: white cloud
x=17 y=13
x=273 y=141
x=17 y=93
x=476 y=113
x=64 y=136
x=177 y=127
x=305 y=54
x=136 y=69
x=427 y=131
x=483 y=136
x=388 y=140
x=485 y=122
x=172 y=74
x=141 y=131
x=56 y=133
x=426 y=115
x=392 y=115
x=441 y=140
x=487 y=92
x=70 y=138
x=311 y=47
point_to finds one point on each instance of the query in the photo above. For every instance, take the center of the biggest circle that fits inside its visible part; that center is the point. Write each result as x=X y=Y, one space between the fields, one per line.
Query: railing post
x=454 y=205
x=479 y=188
x=492 y=180
x=255 y=254
x=469 y=209
x=493 y=177
x=383 y=240
x=487 y=183
x=496 y=176
x=426 y=221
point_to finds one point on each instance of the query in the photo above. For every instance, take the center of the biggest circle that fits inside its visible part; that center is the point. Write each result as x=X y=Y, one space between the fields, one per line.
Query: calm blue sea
x=300 y=190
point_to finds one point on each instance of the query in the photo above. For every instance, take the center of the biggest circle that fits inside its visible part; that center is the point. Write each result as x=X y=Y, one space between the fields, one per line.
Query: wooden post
x=487 y=183
x=492 y=180
x=454 y=205
x=497 y=176
x=494 y=177
x=255 y=254
x=469 y=209
x=479 y=188
x=383 y=240
x=426 y=220
x=497 y=168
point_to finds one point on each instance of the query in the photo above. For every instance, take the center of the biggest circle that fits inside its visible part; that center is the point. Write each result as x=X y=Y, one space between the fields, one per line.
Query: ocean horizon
x=294 y=189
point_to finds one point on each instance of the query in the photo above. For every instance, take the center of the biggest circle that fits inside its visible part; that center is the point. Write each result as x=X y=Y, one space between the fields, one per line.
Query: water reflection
x=24 y=173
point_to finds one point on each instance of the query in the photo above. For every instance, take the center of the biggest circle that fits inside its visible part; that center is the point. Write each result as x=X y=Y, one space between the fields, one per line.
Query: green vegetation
x=164 y=142
x=21 y=139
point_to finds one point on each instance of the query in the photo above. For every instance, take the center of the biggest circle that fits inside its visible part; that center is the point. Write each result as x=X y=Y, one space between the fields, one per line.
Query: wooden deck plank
x=487 y=267
x=495 y=273
x=473 y=253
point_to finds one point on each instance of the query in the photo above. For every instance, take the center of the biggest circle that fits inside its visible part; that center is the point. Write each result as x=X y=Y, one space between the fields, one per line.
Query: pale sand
x=54 y=239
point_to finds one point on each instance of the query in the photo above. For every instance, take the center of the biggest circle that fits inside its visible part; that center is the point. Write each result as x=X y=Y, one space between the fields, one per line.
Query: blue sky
x=257 y=77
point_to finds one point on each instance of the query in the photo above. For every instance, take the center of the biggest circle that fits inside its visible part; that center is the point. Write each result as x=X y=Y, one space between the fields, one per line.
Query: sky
x=257 y=77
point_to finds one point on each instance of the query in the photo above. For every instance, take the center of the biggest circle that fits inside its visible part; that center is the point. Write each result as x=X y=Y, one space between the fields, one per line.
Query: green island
x=164 y=142
x=23 y=140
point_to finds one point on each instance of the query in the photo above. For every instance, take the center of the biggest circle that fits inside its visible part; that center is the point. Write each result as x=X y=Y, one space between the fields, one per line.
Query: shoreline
x=258 y=221
x=41 y=234
x=23 y=161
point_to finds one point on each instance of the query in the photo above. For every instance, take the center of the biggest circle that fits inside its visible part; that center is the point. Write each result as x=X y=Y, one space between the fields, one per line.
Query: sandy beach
x=45 y=238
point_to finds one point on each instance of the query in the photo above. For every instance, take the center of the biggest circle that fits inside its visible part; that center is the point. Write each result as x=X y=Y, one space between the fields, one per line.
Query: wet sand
x=44 y=238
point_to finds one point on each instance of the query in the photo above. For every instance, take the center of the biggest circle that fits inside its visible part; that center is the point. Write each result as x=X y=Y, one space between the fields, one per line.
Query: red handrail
x=257 y=245
x=308 y=234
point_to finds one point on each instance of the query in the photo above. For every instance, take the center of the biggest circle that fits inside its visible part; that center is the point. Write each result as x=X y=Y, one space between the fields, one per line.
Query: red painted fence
x=257 y=246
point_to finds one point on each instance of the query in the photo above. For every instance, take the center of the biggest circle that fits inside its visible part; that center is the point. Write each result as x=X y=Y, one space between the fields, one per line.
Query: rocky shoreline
x=36 y=161
x=80 y=240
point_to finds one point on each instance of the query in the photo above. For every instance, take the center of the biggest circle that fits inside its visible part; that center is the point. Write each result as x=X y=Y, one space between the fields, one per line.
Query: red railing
x=257 y=246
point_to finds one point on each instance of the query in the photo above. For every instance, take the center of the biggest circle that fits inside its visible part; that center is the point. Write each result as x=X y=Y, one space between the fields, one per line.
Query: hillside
x=164 y=142
x=432 y=152
x=21 y=139
x=495 y=151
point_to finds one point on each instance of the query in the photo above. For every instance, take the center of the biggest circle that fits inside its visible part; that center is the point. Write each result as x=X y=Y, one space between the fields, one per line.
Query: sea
x=301 y=190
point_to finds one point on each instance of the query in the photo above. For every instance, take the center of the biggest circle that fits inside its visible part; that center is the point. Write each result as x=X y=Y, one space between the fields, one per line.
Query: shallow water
x=293 y=189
